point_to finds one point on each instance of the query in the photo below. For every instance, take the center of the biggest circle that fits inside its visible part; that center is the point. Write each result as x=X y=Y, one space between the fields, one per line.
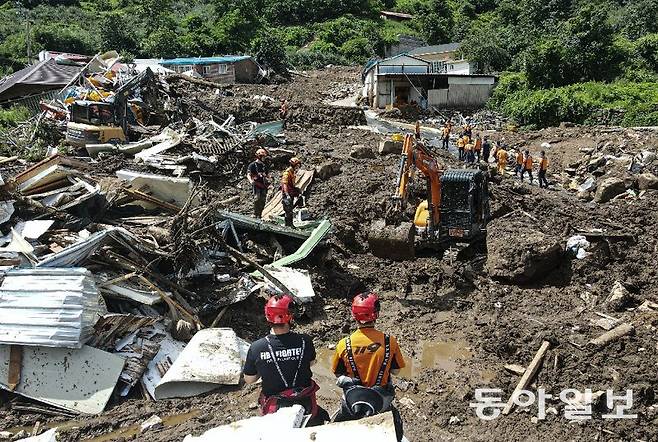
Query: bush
x=315 y=59
x=13 y=116
x=579 y=103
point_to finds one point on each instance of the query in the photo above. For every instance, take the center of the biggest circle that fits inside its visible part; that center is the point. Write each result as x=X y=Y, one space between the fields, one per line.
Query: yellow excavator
x=455 y=212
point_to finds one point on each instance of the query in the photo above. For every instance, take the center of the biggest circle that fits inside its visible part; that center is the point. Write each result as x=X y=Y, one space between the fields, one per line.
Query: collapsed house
x=430 y=76
x=224 y=69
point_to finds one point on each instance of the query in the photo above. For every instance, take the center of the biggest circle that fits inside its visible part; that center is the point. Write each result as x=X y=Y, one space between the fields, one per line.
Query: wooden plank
x=528 y=375
x=612 y=335
x=15 y=366
x=274 y=208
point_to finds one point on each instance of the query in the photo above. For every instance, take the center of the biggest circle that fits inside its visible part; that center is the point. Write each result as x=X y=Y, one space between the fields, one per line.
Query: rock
x=454 y=420
x=390 y=146
x=566 y=124
x=608 y=189
x=362 y=152
x=518 y=252
x=5 y=435
x=584 y=196
x=20 y=435
x=647 y=181
x=596 y=162
x=152 y=423
x=618 y=298
x=588 y=186
x=327 y=170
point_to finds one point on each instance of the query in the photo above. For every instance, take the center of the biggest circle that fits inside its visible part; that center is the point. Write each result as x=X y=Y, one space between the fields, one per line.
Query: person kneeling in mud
x=283 y=361
x=364 y=362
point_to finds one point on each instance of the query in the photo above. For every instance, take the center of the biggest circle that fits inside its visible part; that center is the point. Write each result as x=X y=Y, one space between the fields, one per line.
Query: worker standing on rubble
x=258 y=176
x=283 y=360
x=477 y=148
x=486 y=149
x=543 y=167
x=469 y=153
x=364 y=362
x=518 y=169
x=527 y=165
x=460 y=148
x=283 y=111
x=501 y=156
x=445 y=135
x=290 y=192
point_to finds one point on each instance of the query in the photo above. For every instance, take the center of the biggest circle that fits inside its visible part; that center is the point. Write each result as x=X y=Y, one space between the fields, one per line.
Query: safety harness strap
x=278 y=368
x=387 y=356
x=350 y=358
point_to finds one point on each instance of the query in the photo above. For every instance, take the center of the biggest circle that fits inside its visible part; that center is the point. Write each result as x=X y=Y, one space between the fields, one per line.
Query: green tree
x=269 y=51
x=115 y=33
x=484 y=46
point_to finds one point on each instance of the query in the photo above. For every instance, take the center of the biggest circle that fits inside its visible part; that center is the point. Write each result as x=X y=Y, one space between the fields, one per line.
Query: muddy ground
x=457 y=326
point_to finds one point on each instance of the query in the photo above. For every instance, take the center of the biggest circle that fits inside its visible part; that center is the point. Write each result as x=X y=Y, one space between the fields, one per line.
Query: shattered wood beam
x=151 y=199
x=267 y=275
x=173 y=304
x=612 y=335
x=219 y=317
x=8 y=159
x=528 y=375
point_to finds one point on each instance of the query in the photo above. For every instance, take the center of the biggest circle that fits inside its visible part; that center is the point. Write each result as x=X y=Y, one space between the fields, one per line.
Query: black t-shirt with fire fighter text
x=287 y=351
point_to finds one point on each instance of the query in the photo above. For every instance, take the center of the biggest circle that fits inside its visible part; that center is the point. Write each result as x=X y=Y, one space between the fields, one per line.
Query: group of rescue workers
x=473 y=149
x=363 y=363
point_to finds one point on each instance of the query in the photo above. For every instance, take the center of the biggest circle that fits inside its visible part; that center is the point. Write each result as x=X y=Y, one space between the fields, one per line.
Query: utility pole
x=24 y=13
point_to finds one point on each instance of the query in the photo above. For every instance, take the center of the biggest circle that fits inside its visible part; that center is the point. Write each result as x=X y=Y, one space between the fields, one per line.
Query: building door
x=401 y=95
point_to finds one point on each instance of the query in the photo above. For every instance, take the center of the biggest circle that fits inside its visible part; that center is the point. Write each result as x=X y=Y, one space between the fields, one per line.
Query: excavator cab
x=464 y=204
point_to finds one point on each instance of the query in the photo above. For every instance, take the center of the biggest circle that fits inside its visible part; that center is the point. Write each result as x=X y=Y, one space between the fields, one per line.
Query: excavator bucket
x=392 y=242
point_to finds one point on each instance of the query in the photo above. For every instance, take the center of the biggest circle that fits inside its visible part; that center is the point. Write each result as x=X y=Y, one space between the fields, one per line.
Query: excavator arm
x=416 y=157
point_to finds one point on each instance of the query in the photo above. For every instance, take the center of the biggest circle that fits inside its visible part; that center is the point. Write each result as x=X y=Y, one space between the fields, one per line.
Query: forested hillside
x=558 y=56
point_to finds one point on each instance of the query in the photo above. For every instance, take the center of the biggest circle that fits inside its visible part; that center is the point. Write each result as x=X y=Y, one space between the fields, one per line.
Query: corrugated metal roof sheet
x=435 y=49
x=47 y=74
x=49 y=307
x=204 y=60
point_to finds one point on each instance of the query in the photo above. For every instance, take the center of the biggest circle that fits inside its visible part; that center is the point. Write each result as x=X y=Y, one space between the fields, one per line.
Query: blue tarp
x=204 y=60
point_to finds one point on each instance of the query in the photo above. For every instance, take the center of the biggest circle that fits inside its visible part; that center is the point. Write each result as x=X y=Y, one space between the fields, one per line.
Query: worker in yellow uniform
x=445 y=135
x=460 y=148
x=543 y=167
x=469 y=153
x=290 y=191
x=501 y=156
x=518 y=168
x=477 y=147
x=364 y=362
x=527 y=165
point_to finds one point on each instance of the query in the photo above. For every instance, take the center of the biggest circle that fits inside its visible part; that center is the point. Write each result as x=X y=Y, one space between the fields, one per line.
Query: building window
x=438 y=67
x=207 y=70
x=222 y=68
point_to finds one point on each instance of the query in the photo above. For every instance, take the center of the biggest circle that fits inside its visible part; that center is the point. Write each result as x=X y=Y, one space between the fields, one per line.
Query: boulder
x=519 y=253
x=647 y=181
x=327 y=170
x=595 y=162
x=362 y=152
x=608 y=189
x=584 y=195
x=618 y=298
x=390 y=146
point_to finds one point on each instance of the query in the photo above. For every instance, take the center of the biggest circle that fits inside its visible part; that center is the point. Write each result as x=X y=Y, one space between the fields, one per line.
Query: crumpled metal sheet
x=48 y=307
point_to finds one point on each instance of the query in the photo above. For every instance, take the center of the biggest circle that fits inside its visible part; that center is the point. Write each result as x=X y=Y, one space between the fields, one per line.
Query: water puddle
x=444 y=355
x=127 y=432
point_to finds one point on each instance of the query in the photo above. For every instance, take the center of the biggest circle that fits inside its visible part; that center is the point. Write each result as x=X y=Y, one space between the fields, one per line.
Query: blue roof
x=204 y=60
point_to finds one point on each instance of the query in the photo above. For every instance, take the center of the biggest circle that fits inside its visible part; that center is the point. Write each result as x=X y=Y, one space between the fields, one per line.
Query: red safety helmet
x=277 y=309
x=365 y=307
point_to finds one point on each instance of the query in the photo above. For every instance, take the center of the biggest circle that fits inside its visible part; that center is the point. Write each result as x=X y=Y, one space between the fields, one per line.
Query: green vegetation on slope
x=563 y=59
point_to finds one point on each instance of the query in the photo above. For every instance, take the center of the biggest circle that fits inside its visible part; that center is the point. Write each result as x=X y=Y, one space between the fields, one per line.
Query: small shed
x=224 y=69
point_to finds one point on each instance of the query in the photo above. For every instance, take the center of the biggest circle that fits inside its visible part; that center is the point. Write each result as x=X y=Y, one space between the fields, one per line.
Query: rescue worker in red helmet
x=364 y=362
x=283 y=361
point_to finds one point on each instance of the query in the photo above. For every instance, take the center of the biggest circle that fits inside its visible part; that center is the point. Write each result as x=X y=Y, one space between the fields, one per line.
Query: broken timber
x=612 y=335
x=248 y=222
x=527 y=376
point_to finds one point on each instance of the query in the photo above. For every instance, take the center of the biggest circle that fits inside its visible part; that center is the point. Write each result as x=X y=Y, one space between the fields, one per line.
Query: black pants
x=543 y=182
x=260 y=196
x=523 y=171
x=288 y=205
x=461 y=153
x=445 y=143
x=485 y=155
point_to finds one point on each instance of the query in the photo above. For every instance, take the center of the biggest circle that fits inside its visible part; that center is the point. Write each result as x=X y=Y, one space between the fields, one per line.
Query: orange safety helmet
x=365 y=307
x=277 y=309
x=260 y=153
